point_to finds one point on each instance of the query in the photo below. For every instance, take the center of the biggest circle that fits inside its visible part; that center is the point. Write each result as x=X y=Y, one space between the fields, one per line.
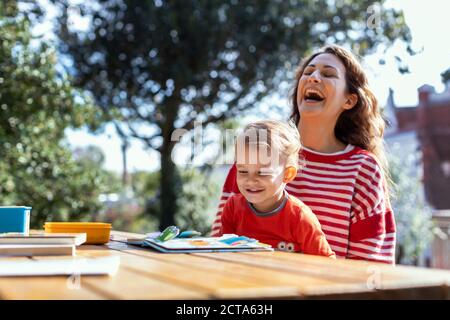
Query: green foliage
x=92 y=159
x=142 y=224
x=37 y=104
x=445 y=76
x=91 y=156
x=196 y=208
x=145 y=184
x=412 y=214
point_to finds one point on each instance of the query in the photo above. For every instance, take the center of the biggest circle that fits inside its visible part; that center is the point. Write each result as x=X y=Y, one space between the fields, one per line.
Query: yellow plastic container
x=96 y=232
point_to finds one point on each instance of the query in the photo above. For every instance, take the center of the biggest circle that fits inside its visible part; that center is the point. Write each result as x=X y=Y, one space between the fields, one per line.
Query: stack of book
x=40 y=244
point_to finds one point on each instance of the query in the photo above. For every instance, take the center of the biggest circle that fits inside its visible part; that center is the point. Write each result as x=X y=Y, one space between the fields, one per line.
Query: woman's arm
x=372 y=226
x=229 y=188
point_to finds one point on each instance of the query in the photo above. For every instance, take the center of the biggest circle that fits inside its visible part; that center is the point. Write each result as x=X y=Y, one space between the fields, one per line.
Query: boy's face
x=260 y=182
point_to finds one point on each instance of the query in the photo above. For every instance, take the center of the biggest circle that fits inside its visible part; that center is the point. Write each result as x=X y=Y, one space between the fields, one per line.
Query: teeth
x=314 y=91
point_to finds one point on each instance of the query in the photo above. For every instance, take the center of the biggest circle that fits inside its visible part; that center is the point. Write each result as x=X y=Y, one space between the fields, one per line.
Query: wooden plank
x=415 y=275
x=377 y=277
x=45 y=288
x=370 y=277
x=127 y=284
x=305 y=284
x=325 y=269
x=390 y=282
x=54 y=288
x=324 y=262
x=212 y=284
x=222 y=276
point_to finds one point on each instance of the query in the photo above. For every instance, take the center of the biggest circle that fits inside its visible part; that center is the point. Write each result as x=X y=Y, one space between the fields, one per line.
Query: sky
x=428 y=22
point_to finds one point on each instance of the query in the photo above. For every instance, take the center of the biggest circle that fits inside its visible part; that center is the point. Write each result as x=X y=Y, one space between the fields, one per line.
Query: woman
x=343 y=171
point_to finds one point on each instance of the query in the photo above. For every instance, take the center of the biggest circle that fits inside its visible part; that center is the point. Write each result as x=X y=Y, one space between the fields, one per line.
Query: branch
x=149 y=141
x=225 y=115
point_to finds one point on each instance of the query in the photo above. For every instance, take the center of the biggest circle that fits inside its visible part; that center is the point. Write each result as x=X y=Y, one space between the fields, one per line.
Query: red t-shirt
x=293 y=228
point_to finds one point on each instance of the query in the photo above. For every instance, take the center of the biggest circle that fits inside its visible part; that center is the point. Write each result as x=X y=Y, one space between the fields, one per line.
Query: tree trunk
x=399 y=254
x=170 y=181
x=170 y=188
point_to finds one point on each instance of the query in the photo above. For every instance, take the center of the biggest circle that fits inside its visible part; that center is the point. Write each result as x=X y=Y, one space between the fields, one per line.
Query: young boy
x=266 y=160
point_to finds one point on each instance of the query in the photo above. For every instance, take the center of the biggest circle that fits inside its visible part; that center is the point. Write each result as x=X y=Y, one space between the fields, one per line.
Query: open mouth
x=312 y=95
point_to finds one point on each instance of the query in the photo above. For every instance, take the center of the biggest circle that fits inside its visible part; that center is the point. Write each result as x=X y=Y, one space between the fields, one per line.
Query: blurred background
x=91 y=92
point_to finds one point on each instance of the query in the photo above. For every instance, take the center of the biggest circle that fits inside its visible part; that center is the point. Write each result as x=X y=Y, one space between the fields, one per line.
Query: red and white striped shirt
x=347 y=192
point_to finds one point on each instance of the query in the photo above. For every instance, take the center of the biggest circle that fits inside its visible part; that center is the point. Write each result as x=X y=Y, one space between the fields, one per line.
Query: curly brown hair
x=363 y=125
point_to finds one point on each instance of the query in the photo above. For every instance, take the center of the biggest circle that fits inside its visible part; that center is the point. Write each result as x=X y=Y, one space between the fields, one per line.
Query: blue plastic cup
x=15 y=219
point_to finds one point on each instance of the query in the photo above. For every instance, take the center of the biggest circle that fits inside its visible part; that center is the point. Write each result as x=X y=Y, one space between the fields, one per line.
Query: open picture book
x=225 y=243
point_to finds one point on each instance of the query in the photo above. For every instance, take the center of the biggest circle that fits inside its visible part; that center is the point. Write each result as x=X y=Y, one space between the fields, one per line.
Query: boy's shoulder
x=236 y=199
x=236 y=205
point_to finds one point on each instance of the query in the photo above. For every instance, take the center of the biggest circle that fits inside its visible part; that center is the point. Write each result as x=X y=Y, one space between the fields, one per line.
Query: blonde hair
x=363 y=125
x=279 y=136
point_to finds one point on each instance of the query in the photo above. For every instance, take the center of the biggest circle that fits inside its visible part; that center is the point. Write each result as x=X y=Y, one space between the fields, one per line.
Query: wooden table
x=146 y=274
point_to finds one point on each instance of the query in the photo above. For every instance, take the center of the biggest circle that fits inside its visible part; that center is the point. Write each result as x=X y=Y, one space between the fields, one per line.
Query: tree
x=194 y=199
x=445 y=76
x=412 y=214
x=92 y=159
x=162 y=65
x=197 y=208
x=90 y=155
x=37 y=105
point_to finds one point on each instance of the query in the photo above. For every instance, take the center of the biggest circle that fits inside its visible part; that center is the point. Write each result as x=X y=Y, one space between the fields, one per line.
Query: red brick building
x=426 y=127
x=430 y=121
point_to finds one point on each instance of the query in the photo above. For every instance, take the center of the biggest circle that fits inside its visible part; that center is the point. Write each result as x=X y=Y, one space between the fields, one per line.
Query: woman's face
x=322 y=88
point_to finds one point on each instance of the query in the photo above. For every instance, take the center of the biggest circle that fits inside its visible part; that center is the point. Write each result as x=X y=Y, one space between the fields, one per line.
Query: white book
x=11 y=267
x=42 y=238
x=36 y=250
